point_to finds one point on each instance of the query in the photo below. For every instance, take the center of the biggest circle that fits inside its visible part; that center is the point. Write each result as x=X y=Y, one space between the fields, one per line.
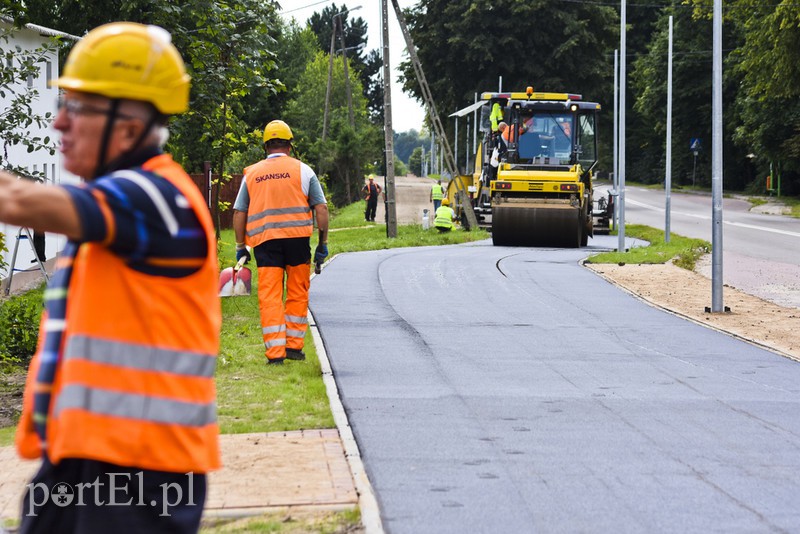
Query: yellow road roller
x=532 y=183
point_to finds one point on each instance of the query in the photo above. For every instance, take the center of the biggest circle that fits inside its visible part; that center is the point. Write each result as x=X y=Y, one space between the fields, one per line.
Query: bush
x=19 y=327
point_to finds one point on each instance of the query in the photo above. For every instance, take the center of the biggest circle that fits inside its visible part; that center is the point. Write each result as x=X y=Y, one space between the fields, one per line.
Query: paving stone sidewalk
x=261 y=473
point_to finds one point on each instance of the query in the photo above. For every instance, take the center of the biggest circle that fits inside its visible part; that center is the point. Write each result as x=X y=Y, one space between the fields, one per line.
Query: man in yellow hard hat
x=120 y=401
x=444 y=216
x=273 y=215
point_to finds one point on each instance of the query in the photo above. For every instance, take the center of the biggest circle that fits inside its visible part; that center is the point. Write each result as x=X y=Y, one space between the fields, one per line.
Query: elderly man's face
x=82 y=119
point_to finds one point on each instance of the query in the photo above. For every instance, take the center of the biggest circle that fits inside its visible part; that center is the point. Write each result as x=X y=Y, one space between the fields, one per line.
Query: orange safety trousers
x=283 y=326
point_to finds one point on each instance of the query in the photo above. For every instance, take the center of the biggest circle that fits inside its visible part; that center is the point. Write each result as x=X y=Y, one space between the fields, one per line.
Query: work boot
x=295 y=354
x=275 y=361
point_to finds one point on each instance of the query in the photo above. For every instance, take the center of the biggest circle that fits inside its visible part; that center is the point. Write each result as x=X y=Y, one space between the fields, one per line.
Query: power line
x=307 y=6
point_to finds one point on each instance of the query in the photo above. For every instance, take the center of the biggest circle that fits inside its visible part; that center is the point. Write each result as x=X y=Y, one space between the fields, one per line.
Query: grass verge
x=682 y=251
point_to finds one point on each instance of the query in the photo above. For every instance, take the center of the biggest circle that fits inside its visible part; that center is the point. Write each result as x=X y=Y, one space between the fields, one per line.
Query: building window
x=48 y=73
x=30 y=81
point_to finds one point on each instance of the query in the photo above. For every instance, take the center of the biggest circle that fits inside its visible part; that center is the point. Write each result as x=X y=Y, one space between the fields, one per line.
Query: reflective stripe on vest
x=140 y=357
x=278 y=207
x=135 y=407
x=135 y=386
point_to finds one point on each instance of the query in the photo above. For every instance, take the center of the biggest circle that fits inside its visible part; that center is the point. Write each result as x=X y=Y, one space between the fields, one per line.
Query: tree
x=341 y=158
x=415 y=161
x=368 y=67
x=768 y=99
x=17 y=118
x=294 y=48
x=465 y=46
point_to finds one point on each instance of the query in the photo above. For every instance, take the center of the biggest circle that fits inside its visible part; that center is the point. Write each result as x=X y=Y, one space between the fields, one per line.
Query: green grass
x=7 y=436
x=255 y=397
x=349 y=233
x=280 y=523
x=794 y=203
x=683 y=251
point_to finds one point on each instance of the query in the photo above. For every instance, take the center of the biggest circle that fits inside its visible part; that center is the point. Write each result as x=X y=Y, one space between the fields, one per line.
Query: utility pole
x=471 y=221
x=328 y=88
x=388 y=132
x=346 y=71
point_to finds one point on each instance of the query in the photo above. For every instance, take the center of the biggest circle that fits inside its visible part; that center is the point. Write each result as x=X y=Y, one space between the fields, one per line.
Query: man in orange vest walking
x=371 y=191
x=120 y=401
x=273 y=215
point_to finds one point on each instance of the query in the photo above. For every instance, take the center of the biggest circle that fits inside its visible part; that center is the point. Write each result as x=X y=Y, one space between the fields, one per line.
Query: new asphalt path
x=495 y=389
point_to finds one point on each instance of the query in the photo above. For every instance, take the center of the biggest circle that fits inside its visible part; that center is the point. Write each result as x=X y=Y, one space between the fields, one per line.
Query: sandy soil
x=685 y=293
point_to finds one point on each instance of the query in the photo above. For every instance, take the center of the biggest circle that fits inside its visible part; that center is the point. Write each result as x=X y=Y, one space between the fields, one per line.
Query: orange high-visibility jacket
x=135 y=385
x=278 y=206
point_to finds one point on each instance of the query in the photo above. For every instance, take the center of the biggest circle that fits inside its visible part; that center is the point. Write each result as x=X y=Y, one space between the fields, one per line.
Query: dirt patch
x=687 y=293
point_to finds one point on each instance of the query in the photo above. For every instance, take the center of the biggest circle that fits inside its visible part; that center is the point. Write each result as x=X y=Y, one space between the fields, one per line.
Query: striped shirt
x=142 y=218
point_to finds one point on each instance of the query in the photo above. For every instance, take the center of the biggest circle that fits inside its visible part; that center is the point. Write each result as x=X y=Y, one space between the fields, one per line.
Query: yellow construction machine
x=532 y=184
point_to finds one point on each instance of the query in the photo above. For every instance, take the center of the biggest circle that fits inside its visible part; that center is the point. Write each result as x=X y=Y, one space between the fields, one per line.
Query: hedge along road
x=496 y=389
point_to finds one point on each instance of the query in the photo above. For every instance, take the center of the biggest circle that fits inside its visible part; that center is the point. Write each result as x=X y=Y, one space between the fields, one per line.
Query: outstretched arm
x=45 y=208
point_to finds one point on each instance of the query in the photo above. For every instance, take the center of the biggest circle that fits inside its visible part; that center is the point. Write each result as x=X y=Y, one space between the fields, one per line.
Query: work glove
x=320 y=253
x=242 y=253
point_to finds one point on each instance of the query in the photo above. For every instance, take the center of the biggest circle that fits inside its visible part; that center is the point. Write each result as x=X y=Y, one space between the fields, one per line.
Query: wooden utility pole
x=346 y=73
x=388 y=133
x=471 y=221
x=328 y=88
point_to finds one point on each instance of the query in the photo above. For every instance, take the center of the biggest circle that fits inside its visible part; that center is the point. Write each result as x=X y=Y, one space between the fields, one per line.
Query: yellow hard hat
x=130 y=61
x=277 y=130
x=445 y=201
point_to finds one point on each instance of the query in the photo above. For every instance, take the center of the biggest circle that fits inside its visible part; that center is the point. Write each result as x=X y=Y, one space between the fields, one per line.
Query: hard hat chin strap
x=104 y=167
x=104 y=140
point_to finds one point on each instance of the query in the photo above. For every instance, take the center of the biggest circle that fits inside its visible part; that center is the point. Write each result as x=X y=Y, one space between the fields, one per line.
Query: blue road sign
x=695 y=144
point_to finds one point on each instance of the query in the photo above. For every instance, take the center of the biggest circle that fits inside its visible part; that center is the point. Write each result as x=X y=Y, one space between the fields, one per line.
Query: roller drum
x=536 y=226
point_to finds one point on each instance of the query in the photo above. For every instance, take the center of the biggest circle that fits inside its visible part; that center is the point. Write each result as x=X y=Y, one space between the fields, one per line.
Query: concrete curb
x=367 y=503
x=654 y=304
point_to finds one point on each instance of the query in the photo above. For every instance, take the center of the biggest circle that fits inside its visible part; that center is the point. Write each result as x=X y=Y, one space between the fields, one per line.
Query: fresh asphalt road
x=496 y=390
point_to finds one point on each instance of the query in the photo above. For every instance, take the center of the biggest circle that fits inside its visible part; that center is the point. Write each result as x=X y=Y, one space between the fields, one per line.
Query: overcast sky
x=408 y=113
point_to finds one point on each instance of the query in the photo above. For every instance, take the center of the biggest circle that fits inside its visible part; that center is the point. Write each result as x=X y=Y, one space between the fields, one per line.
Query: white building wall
x=31 y=38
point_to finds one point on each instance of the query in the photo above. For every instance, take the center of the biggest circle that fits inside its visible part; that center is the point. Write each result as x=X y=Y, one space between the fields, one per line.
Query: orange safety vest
x=135 y=384
x=507 y=133
x=278 y=207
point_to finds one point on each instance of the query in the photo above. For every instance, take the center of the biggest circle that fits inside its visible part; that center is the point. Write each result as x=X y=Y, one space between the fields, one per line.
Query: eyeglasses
x=78 y=107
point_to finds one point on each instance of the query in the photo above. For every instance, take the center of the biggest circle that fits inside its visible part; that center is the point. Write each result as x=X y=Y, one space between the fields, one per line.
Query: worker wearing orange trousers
x=273 y=215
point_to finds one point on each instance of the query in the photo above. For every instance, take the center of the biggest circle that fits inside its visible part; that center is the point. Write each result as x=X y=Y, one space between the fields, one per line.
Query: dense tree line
x=466 y=46
x=249 y=66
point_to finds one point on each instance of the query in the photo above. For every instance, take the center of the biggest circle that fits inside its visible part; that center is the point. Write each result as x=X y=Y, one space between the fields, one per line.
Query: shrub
x=19 y=327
